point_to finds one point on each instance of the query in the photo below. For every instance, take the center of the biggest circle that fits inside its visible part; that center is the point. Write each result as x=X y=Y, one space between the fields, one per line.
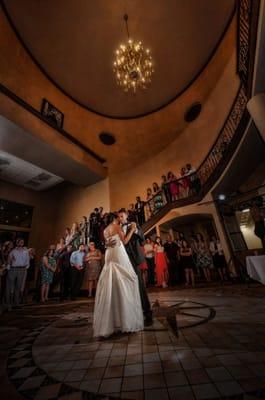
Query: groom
x=136 y=256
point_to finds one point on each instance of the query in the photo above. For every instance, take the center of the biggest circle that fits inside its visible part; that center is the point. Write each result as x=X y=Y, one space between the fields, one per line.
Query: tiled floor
x=204 y=344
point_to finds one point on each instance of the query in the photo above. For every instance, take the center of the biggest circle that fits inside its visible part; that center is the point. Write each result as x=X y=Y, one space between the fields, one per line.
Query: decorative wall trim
x=36 y=113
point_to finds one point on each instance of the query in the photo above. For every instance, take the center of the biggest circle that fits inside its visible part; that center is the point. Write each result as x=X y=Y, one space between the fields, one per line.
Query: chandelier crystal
x=133 y=65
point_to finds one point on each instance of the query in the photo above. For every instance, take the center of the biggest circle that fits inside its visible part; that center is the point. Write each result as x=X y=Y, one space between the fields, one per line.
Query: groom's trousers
x=144 y=298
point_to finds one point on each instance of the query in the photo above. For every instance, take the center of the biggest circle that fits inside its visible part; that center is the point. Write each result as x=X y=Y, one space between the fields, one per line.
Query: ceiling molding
x=47 y=75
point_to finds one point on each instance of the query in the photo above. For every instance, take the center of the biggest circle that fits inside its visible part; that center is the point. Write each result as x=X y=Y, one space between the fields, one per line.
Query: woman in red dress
x=185 y=181
x=161 y=264
x=174 y=186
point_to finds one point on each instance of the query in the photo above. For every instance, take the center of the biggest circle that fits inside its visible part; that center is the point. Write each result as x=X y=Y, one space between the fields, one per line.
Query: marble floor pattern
x=205 y=343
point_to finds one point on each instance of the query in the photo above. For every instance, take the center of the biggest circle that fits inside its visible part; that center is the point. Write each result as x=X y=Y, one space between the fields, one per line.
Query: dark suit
x=136 y=255
x=139 y=208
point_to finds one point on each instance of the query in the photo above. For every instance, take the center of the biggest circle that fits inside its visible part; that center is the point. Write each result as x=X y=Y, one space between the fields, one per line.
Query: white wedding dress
x=117 y=304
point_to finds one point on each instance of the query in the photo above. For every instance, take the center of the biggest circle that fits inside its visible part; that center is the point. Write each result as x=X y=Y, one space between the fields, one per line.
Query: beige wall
x=137 y=139
x=146 y=147
x=192 y=145
x=76 y=202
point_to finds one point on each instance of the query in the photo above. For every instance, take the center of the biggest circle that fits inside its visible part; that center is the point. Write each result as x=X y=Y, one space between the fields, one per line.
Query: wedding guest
x=59 y=247
x=83 y=229
x=149 y=203
x=94 y=222
x=203 y=257
x=92 y=225
x=150 y=260
x=185 y=181
x=18 y=262
x=144 y=271
x=29 y=277
x=187 y=263
x=102 y=226
x=174 y=186
x=171 y=251
x=100 y=212
x=165 y=188
x=195 y=183
x=219 y=260
x=77 y=270
x=139 y=208
x=2 y=276
x=75 y=236
x=132 y=213
x=258 y=216
x=93 y=267
x=193 y=243
x=48 y=267
x=1 y=254
x=161 y=264
x=179 y=237
x=67 y=236
x=6 y=249
x=65 y=267
x=158 y=197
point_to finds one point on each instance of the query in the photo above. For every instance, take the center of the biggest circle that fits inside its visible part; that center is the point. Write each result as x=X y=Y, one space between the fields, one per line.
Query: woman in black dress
x=219 y=260
x=187 y=262
x=158 y=198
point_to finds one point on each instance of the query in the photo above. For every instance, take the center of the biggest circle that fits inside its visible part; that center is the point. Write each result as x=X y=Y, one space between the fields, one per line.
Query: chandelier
x=133 y=64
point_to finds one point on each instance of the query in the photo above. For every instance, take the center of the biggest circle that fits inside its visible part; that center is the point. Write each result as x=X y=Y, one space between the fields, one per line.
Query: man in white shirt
x=77 y=270
x=18 y=261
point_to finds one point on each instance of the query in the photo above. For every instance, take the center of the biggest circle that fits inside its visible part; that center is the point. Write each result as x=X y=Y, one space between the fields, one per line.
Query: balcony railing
x=200 y=182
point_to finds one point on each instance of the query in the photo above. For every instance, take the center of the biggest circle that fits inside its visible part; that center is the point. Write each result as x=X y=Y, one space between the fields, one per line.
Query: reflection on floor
x=204 y=344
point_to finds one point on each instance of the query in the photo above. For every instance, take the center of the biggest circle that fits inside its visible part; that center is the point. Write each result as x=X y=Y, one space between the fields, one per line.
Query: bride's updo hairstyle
x=111 y=217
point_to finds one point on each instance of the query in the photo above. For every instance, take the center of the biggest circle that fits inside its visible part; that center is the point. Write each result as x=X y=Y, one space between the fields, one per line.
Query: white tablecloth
x=256 y=268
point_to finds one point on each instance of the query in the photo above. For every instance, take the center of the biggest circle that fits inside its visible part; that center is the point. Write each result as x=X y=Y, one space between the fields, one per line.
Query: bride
x=117 y=304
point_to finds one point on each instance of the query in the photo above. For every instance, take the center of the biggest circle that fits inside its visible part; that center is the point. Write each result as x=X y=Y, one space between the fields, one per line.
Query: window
x=15 y=214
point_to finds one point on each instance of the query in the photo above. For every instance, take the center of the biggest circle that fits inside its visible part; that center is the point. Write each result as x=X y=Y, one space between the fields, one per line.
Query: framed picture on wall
x=54 y=116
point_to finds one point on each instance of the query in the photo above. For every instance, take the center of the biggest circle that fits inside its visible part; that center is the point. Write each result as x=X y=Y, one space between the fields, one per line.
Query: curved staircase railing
x=230 y=134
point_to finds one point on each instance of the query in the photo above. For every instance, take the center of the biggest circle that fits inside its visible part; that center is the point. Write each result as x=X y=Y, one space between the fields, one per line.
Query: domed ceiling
x=74 y=43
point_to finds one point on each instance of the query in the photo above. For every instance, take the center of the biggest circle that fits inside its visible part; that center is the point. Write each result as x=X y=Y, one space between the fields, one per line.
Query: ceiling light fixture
x=133 y=64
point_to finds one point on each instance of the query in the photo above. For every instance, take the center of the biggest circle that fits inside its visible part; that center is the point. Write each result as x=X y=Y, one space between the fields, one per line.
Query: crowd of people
x=76 y=261
x=63 y=266
x=172 y=187
x=178 y=260
x=17 y=272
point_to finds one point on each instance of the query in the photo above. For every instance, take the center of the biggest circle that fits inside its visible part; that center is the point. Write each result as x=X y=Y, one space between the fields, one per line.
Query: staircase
x=234 y=127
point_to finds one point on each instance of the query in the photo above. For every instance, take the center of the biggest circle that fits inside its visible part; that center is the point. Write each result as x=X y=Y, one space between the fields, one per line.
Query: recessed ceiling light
x=193 y=112
x=221 y=197
x=107 y=138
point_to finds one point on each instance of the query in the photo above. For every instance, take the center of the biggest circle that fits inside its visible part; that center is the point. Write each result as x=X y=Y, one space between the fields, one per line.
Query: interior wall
x=22 y=76
x=56 y=208
x=78 y=201
x=44 y=219
x=192 y=145
x=208 y=209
